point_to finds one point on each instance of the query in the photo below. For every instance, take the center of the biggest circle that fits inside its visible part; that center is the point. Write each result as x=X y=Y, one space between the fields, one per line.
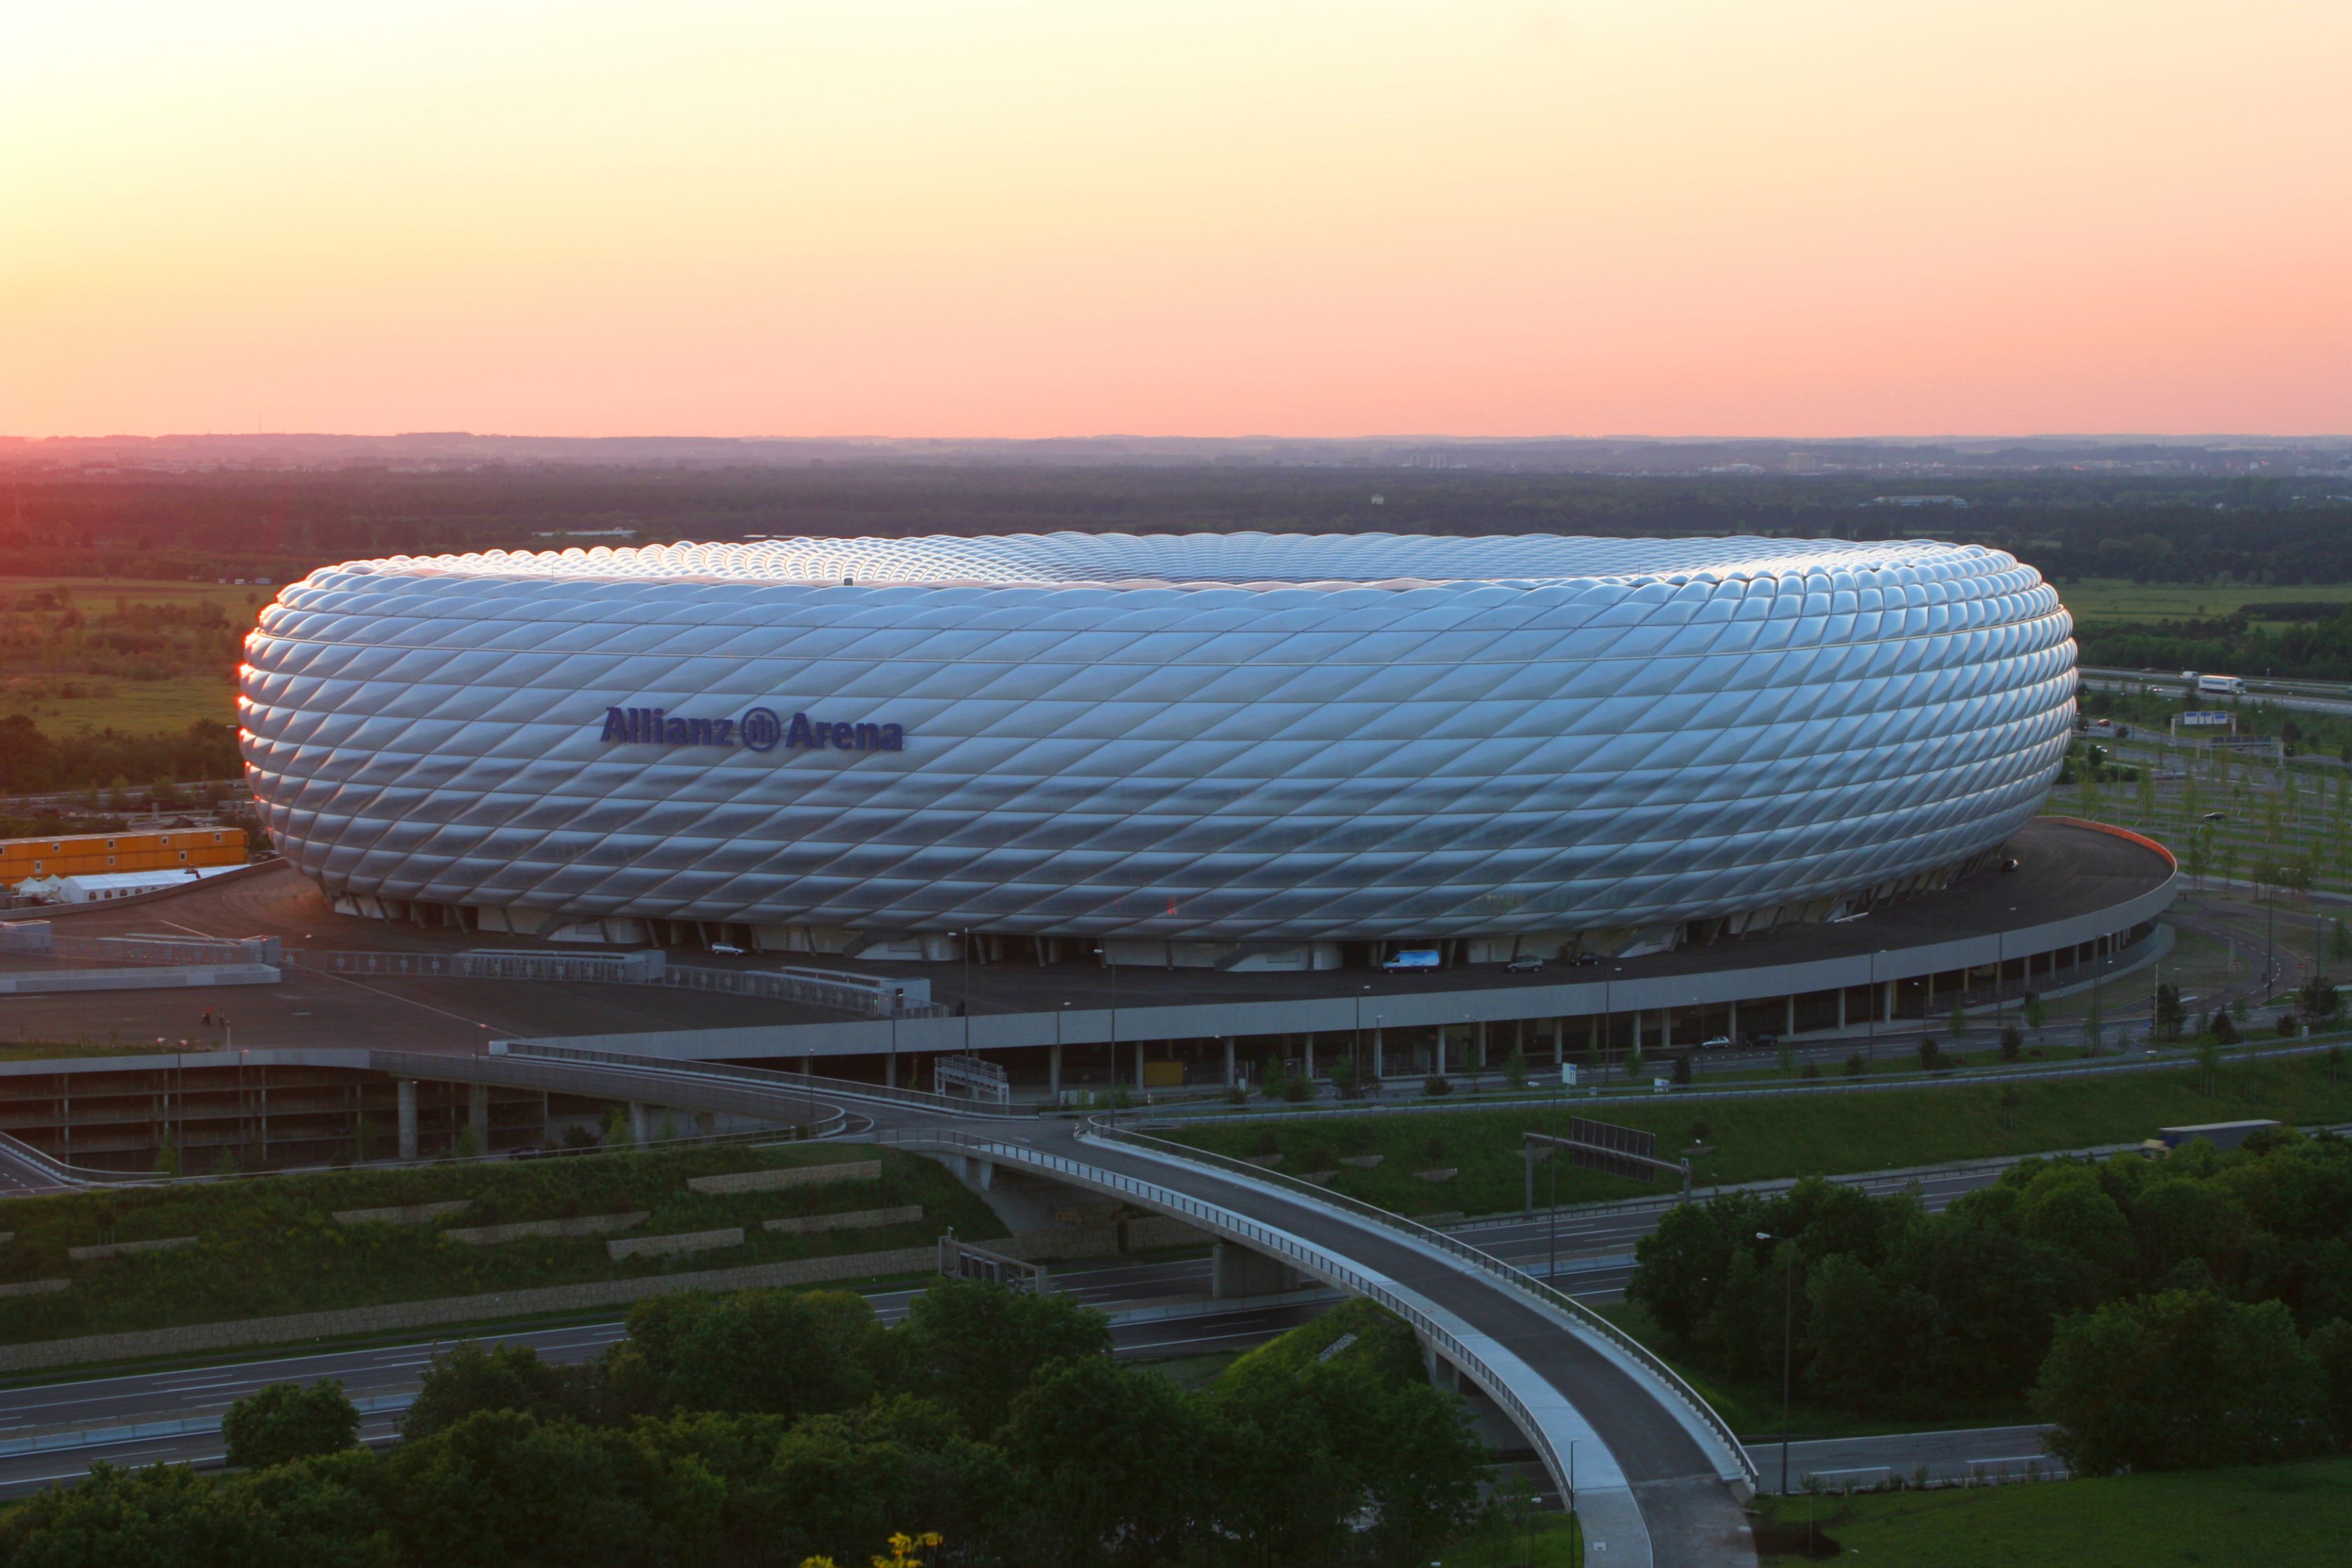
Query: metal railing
x=1264 y=1238
x=847 y=1089
x=634 y=1079
x=612 y=969
x=1518 y=1279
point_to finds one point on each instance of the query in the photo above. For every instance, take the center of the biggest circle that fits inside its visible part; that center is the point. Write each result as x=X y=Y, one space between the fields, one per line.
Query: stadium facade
x=1234 y=750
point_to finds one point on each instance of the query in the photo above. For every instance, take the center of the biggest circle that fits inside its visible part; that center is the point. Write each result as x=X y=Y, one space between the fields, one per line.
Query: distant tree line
x=2194 y=1311
x=2310 y=649
x=771 y=1427
x=281 y=525
x=35 y=763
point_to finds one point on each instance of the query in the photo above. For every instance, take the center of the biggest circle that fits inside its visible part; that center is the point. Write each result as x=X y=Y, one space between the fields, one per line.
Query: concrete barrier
x=26 y=983
x=852 y=1219
x=674 y=1245
x=402 y=1213
x=126 y=1248
x=35 y=1288
x=523 y=1230
x=788 y=1176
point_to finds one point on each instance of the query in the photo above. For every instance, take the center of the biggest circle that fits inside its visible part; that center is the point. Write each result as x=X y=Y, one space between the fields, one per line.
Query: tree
x=1956 y=1026
x=974 y=1346
x=2037 y=1014
x=286 y=1422
x=504 y=1489
x=1109 y=1461
x=2171 y=1017
x=2012 y=1042
x=1515 y=1068
x=781 y=1353
x=2093 y=1029
x=466 y=1378
x=2181 y=1380
x=309 y=1515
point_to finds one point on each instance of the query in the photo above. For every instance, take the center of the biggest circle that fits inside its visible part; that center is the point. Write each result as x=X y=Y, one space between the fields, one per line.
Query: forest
x=2169 y=1313
x=772 y=1428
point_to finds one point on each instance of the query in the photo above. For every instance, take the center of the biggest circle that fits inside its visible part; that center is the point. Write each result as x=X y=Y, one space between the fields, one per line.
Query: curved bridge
x=1657 y=1475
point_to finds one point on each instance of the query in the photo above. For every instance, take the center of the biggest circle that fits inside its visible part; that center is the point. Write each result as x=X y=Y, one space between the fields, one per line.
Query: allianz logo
x=758 y=730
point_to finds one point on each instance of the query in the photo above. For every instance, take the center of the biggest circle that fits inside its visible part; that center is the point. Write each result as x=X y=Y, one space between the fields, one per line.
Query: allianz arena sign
x=759 y=729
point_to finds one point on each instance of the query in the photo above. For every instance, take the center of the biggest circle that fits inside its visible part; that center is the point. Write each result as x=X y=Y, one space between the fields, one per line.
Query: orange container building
x=79 y=853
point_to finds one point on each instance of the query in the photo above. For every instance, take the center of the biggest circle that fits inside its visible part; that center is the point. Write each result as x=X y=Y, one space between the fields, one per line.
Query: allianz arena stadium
x=1235 y=749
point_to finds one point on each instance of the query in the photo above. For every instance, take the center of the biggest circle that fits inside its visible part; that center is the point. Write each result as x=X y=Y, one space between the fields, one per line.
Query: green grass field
x=1756 y=1140
x=268 y=1245
x=126 y=707
x=2118 y=599
x=2285 y=1516
x=64 y=703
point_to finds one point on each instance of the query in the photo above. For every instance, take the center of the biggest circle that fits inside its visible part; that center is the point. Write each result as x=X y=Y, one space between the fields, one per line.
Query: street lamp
x=1788 y=1319
x=1111 y=963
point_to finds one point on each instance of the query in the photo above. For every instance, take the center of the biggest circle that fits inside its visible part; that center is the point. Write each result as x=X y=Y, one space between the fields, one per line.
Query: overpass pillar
x=1229 y=1061
x=1139 y=1067
x=1886 y=1003
x=1306 y=1053
x=407 y=1092
x=1440 y=1062
x=641 y=1122
x=1789 y=1030
x=1378 y=1063
x=890 y=1070
x=1054 y=1072
x=1731 y=1023
x=1235 y=1270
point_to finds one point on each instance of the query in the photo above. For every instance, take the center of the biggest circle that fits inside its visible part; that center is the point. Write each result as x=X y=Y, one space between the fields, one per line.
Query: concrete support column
x=1229 y=1061
x=477 y=1114
x=1887 y=1005
x=890 y=1069
x=1054 y=1072
x=1478 y=1063
x=1376 y=1062
x=1731 y=1023
x=1306 y=1053
x=1139 y=1064
x=1841 y=1006
x=1234 y=1271
x=407 y=1092
x=1790 y=1028
x=641 y=1122
x=1559 y=1042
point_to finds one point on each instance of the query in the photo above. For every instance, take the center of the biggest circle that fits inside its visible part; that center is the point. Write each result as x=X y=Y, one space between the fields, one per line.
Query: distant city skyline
x=1689 y=219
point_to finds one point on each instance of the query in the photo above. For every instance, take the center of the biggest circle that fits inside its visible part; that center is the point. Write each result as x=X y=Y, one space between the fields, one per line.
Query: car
x=727 y=947
x=1525 y=963
x=1716 y=1042
x=1584 y=960
x=2215 y=816
x=1763 y=1042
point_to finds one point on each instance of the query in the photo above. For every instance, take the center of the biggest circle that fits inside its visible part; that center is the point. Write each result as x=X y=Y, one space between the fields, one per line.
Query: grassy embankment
x=74 y=684
x=1757 y=1140
x=2284 y=1516
x=269 y=1246
x=2119 y=599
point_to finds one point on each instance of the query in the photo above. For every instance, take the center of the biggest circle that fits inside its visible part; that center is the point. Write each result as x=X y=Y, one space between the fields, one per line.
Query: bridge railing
x=1454 y=1245
x=789 y=1105
x=1266 y=1240
x=764 y=1078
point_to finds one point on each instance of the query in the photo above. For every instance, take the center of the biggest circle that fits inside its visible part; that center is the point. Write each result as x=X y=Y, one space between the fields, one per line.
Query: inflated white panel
x=1220 y=736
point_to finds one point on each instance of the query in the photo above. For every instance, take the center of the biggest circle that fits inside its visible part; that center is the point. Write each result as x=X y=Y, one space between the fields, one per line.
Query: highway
x=78 y=1419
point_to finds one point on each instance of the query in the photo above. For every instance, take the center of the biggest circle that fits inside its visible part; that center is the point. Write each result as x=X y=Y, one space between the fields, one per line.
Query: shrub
x=287 y=1421
x=1515 y=1068
x=1856 y=1064
x=1296 y=1090
x=1438 y=1084
x=2012 y=1044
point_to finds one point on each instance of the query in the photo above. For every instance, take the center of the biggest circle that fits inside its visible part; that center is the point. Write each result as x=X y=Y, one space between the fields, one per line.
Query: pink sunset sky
x=962 y=217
